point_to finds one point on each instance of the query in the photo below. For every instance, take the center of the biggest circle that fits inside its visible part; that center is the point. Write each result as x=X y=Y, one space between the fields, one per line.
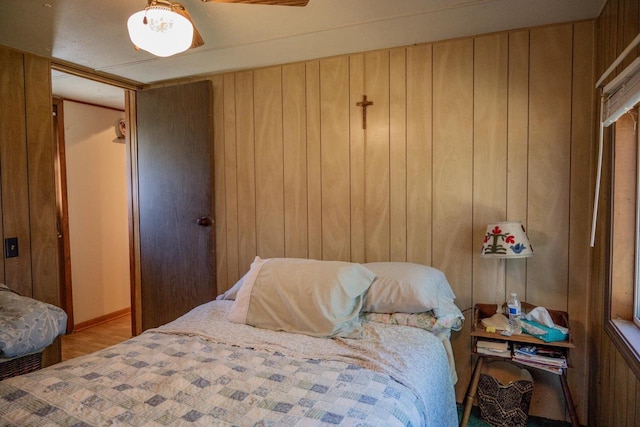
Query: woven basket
x=20 y=365
x=504 y=406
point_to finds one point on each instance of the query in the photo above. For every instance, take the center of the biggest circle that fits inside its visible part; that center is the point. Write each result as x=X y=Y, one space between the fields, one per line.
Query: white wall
x=98 y=222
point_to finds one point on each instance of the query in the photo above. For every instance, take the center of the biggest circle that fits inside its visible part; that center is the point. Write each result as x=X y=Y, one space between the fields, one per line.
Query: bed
x=27 y=327
x=252 y=360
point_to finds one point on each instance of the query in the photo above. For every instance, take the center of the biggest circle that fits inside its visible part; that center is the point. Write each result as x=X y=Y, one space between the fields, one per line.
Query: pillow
x=27 y=325
x=426 y=320
x=402 y=287
x=231 y=294
x=316 y=298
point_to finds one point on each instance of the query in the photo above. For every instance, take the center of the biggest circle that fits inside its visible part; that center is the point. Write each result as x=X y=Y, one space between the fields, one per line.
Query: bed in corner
x=295 y=342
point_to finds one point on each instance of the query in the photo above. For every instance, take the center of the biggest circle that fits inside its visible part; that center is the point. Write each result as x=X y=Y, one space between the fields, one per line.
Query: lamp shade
x=506 y=240
x=160 y=31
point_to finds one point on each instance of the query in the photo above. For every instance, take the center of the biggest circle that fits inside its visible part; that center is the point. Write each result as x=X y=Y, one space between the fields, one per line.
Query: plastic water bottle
x=515 y=326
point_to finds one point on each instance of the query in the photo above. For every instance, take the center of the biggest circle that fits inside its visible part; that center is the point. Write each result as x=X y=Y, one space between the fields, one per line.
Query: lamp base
x=498 y=321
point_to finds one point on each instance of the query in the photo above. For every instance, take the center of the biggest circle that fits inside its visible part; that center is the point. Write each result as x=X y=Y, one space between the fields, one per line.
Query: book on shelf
x=549 y=368
x=539 y=355
x=493 y=348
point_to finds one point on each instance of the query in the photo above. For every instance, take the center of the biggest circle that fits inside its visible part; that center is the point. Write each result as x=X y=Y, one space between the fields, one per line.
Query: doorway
x=91 y=182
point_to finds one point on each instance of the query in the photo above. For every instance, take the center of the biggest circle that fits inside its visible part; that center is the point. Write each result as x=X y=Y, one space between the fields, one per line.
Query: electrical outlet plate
x=11 y=247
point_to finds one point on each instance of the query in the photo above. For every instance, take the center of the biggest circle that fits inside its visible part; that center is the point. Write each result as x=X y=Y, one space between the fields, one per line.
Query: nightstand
x=478 y=331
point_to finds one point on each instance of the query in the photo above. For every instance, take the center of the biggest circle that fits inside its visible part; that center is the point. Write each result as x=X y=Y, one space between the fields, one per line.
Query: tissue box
x=542 y=332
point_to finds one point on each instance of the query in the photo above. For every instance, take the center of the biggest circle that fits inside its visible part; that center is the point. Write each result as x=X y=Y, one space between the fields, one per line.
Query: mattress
x=202 y=370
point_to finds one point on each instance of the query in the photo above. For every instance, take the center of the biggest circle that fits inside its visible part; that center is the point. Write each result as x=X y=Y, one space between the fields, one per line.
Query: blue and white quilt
x=202 y=370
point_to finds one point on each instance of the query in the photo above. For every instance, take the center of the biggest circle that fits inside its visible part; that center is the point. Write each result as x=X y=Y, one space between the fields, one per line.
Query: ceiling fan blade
x=266 y=2
x=197 y=38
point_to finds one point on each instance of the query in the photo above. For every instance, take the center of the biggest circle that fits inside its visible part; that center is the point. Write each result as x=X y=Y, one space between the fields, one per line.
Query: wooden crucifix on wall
x=364 y=104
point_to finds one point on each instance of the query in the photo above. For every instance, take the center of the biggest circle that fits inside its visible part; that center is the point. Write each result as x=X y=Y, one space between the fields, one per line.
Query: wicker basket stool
x=20 y=365
x=505 y=405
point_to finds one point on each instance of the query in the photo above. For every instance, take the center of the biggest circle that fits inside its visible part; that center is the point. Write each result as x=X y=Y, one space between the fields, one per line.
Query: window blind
x=621 y=94
x=618 y=97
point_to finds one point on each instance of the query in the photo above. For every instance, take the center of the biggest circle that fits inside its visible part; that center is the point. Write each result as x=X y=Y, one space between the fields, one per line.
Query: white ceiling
x=93 y=33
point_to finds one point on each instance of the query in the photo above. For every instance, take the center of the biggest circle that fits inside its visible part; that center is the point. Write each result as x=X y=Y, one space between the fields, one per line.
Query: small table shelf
x=478 y=331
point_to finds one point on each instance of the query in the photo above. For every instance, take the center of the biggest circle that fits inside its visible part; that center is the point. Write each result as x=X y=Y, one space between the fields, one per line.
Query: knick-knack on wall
x=121 y=129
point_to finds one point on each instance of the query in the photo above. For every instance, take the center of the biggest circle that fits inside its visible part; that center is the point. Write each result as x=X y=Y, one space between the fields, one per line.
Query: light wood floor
x=96 y=337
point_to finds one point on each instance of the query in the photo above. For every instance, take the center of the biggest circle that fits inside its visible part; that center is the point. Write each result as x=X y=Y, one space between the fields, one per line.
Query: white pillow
x=402 y=287
x=316 y=298
x=231 y=294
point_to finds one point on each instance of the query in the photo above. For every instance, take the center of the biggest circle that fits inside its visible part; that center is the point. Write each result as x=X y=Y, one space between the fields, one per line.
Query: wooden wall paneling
x=582 y=140
x=314 y=168
x=612 y=396
x=212 y=178
x=621 y=403
x=376 y=65
x=135 y=272
x=600 y=343
x=453 y=164
x=14 y=172
x=267 y=86
x=605 y=52
x=490 y=69
x=398 y=154
x=245 y=170
x=295 y=161
x=624 y=218
x=617 y=22
x=613 y=23
x=357 y=157
x=596 y=292
x=596 y=410
x=608 y=391
x=636 y=416
x=42 y=218
x=549 y=164
x=549 y=186
x=12 y=126
x=42 y=202
x=619 y=26
x=547 y=400
x=453 y=181
x=599 y=48
x=518 y=150
x=220 y=194
x=231 y=182
x=631 y=28
x=632 y=397
x=334 y=122
x=419 y=153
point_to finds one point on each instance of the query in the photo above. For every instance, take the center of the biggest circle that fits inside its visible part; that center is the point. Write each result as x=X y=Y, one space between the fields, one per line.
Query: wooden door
x=62 y=214
x=174 y=162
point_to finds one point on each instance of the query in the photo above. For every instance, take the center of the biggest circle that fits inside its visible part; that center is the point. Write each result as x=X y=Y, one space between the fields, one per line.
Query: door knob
x=204 y=221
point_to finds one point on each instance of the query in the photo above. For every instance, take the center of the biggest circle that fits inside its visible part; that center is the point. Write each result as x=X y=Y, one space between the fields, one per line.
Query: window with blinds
x=621 y=94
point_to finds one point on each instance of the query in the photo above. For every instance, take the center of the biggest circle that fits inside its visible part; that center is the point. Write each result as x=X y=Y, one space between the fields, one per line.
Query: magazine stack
x=493 y=348
x=550 y=360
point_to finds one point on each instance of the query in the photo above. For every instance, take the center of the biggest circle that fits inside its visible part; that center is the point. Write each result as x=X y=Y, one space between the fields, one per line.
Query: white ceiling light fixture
x=162 y=28
x=165 y=28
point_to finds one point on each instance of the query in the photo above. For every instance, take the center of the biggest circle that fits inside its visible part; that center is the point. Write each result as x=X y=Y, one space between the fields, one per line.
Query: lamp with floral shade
x=504 y=240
